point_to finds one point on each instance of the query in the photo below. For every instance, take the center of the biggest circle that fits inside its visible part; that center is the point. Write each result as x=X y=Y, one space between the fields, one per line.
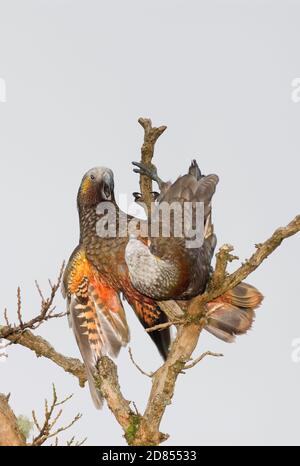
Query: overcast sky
x=78 y=75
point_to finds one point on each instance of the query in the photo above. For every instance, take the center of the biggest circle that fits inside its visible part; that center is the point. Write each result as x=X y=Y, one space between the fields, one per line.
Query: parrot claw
x=151 y=172
x=146 y=170
x=137 y=196
x=155 y=195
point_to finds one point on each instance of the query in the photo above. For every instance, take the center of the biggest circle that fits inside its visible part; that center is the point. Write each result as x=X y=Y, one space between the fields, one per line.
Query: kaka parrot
x=143 y=271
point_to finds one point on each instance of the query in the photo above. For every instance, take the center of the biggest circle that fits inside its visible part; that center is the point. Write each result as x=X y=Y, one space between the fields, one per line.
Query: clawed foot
x=151 y=172
x=146 y=170
x=138 y=196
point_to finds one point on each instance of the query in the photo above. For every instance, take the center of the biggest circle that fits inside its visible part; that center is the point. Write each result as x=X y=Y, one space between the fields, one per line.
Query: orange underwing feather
x=96 y=315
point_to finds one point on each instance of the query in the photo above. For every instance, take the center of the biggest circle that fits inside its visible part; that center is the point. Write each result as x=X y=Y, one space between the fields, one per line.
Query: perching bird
x=142 y=270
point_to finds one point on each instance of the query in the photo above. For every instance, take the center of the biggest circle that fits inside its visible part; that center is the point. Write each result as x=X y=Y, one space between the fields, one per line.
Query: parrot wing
x=169 y=266
x=96 y=315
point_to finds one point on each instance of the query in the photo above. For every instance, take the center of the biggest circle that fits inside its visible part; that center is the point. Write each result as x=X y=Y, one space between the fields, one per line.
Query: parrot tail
x=233 y=313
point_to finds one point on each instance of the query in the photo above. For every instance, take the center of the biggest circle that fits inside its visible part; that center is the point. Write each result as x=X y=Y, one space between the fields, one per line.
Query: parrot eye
x=93 y=177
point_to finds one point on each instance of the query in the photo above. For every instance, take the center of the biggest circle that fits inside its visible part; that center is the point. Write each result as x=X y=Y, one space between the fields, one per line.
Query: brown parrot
x=143 y=270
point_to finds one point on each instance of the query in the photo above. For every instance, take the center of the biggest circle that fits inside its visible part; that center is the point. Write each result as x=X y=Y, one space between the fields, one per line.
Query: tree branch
x=221 y=283
x=18 y=334
x=164 y=325
x=41 y=347
x=137 y=366
x=14 y=431
x=108 y=383
x=52 y=414
x=46 y=311
x=150 y=137
x=200 y=358
x=10 y=435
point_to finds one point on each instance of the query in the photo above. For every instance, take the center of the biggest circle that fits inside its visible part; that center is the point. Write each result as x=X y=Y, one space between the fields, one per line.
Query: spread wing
x=96 y=315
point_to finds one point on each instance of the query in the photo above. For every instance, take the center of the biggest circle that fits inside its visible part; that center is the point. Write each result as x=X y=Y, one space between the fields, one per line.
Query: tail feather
x=244 y=296
x=195 y=170
x=150 y=314
x=233 y=313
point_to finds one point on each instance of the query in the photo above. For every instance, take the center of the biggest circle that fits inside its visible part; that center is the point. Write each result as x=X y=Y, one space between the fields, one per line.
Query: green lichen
x=133 y=428
x=24 y=425
x=178 y=366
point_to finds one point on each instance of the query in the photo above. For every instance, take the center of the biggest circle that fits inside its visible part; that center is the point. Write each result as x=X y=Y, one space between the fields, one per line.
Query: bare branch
x=137 y=366
x=263 y=250
x=164 y=325
x=72 y=442
x=107 y=381
x=223 y=257
x=200 y=358
x=42 y=348
x=45 y=314
x=39 y=291
x=46 y=430
x=19 y=309
x=6 y=318
x=150 y=137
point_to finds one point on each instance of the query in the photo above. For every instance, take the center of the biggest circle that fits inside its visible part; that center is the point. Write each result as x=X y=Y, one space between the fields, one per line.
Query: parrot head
x=97 y=186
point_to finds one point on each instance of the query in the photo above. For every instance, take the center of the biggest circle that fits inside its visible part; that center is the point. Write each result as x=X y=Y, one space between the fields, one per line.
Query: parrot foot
x=138 y=196
x=147 y=170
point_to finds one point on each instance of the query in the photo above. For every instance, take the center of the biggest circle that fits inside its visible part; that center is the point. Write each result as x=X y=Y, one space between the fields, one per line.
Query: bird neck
x=87 y=221
x=94 y=218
